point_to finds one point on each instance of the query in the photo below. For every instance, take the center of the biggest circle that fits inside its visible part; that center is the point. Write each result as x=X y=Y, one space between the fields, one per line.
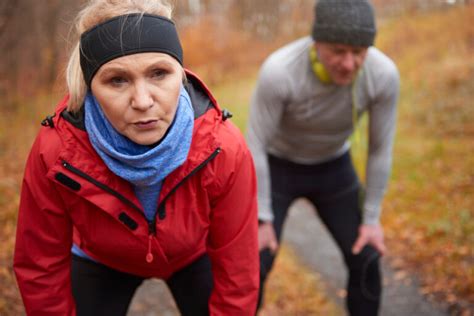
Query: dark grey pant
x=99 y=290
x=334 y=189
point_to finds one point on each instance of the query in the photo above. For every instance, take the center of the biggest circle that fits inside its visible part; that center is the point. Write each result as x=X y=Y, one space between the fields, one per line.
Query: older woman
x=137 y=175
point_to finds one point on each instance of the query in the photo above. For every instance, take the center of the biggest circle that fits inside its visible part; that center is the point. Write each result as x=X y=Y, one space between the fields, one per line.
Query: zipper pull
x=149 y=255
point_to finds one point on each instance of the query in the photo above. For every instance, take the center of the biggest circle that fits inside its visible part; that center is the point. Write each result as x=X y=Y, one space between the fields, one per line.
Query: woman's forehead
x=141 y=60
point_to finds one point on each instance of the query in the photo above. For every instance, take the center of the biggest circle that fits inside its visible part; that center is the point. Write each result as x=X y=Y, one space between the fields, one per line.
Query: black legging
x=102 y=291
x=334 y=189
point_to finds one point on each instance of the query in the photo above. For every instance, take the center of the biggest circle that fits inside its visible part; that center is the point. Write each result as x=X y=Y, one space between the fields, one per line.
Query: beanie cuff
x=348 y=36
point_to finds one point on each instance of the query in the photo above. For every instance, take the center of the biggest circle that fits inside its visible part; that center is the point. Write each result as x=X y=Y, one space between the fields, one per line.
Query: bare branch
x=7 y=8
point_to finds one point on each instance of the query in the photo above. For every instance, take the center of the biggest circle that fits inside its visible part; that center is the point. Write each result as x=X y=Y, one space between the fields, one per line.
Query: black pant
x=334 y=189
x=100 y=290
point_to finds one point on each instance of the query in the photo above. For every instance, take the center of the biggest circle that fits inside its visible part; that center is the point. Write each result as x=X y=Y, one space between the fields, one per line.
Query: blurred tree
x=7 y=12
x=33 y=37
x=194 y=6
x=7 y=8
x=267 y=19
x=260 y=17
x=51 y=47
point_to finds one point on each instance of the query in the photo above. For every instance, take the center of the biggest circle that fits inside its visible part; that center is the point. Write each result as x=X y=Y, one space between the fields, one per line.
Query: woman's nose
x=142 y=98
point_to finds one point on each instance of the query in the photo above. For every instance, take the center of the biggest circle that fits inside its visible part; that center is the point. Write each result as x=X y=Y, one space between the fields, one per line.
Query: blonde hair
x=96 y=12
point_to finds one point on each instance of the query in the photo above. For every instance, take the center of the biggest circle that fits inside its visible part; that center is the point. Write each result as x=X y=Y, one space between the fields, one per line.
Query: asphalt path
x=153 y=299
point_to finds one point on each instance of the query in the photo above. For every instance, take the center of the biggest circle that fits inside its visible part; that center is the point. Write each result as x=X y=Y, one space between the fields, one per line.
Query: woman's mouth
x=148 y=124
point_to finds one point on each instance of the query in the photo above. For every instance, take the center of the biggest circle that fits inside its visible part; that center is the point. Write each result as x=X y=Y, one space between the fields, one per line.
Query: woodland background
x=429 y=207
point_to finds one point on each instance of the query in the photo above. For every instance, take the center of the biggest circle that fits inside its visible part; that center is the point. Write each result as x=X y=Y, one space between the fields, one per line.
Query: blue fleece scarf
x=144 y=166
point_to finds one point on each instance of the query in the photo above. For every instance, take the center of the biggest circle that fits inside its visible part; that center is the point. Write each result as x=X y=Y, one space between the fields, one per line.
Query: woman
x=137 y=175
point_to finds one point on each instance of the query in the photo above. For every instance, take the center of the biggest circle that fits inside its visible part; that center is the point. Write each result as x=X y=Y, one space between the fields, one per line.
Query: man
x=309 y=96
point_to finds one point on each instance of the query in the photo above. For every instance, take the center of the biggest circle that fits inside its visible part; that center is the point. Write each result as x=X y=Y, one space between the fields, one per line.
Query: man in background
x=308 y=99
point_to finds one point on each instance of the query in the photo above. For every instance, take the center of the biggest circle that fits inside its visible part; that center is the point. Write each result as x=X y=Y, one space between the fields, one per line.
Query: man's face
x=341 y=61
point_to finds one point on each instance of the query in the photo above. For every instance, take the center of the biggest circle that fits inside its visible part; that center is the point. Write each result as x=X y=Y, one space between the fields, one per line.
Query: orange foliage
x=296 y=290
x=218 y=52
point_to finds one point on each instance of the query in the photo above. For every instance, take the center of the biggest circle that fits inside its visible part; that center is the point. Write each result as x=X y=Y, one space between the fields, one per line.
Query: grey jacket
x=296 y=117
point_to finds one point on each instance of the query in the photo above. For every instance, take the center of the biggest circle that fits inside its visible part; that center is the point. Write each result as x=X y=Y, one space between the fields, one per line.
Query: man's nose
x=349 y=61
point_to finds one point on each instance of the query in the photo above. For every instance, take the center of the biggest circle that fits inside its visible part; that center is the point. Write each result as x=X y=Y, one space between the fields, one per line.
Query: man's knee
x=364 y=270
x=266 y=263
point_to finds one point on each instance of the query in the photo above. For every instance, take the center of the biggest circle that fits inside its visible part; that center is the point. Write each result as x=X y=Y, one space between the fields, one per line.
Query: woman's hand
x=267 y=237
x=370 y=235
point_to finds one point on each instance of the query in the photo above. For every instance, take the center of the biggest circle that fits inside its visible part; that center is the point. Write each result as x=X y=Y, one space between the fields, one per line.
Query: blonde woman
x=137 y=175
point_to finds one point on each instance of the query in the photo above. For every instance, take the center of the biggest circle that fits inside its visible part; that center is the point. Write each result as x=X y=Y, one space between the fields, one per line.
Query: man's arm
x=266 y=109
x=382 y=121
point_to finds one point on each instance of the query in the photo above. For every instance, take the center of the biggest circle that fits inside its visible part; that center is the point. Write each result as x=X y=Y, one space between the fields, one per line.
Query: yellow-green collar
x=318 y=68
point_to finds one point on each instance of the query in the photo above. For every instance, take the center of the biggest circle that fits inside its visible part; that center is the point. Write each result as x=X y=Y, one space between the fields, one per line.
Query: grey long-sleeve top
x=296 y=117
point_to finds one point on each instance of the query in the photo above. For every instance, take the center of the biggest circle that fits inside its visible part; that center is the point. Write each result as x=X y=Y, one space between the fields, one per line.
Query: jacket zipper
x=102 y=186
x=161 y=209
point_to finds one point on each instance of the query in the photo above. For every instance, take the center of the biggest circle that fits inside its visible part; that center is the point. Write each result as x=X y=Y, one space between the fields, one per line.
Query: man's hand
x=267 y=237
x=371 y=235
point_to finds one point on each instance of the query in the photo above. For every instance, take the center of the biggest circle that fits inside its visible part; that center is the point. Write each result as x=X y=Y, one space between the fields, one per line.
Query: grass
x=235 y=97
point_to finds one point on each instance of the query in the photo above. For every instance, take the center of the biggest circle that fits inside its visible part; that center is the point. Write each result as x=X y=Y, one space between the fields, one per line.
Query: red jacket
x=206 y=205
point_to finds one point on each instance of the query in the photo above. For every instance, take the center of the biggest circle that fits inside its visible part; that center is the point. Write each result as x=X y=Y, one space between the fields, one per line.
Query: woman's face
x=139 y=94
x=341 y=61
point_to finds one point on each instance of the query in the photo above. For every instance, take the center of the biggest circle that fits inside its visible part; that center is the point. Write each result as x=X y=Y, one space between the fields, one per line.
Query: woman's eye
x=117 y=80
x=159 y=73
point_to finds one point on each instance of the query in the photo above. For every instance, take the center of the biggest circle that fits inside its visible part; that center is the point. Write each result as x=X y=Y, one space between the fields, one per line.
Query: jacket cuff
x=371 y=215
x=265 y=216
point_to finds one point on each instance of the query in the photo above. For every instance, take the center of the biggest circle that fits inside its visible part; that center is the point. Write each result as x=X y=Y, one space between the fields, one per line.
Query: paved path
x=313 y=244
x=153 y=299
x=304 y=232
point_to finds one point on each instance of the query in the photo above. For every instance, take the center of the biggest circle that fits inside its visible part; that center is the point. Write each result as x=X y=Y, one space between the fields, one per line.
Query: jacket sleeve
x=382 y=123
x=42 y=257
x=232 y=241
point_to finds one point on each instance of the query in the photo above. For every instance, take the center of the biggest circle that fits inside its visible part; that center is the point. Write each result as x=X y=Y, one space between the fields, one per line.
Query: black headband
x=126 y=35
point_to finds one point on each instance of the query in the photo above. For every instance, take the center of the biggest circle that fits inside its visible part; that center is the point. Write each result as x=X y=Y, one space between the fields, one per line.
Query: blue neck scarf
x=144 y=166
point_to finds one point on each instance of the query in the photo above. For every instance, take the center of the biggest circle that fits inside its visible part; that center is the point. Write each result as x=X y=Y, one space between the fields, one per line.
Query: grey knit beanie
x=348 y=22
